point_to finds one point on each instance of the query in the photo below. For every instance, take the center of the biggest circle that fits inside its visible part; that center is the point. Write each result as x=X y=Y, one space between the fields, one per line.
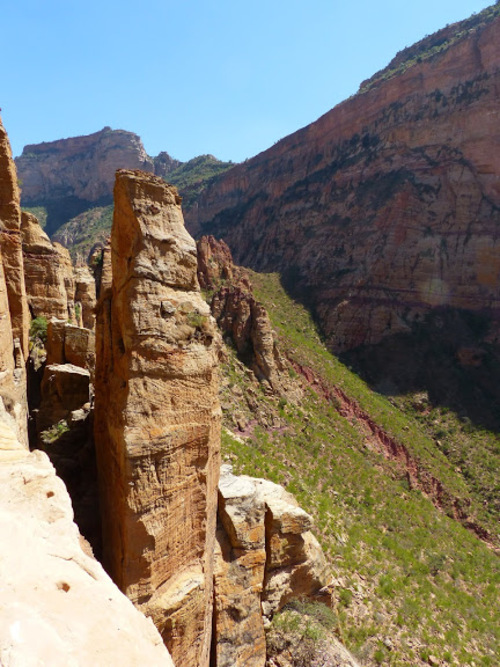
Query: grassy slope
x=408 y=576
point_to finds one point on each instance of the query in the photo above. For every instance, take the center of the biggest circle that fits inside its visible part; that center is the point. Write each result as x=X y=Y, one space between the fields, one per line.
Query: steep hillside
x=63 y=179
x=413 y=584
x=92 y=227
x=384 y=216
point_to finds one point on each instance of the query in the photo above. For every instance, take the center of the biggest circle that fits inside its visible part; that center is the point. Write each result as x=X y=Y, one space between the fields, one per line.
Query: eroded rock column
x=158 y=418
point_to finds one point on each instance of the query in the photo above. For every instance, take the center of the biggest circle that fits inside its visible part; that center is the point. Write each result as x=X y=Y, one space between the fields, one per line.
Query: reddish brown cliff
x=68 y=176
x=387 y=207
x=157 y=418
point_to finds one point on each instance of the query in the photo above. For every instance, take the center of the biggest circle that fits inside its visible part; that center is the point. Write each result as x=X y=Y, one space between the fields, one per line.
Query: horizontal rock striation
x=48 y=272
x=388 y=206
x=266 y=555
x=68 y=176
x=157 y=417
x=14 y=313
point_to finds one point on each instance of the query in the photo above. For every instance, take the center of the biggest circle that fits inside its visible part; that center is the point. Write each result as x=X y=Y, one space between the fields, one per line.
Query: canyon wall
x=67 y=176
x=49 y=578
x=387 y=208
x=14 y=313
x=157 y=418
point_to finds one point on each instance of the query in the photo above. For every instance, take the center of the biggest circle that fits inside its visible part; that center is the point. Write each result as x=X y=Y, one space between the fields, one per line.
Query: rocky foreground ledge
x=59 y=607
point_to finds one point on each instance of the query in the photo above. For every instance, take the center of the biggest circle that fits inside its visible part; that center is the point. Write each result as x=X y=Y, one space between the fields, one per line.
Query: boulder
x=266 y=556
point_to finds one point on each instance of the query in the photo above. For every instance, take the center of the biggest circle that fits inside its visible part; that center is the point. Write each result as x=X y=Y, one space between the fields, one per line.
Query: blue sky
x=194 y=76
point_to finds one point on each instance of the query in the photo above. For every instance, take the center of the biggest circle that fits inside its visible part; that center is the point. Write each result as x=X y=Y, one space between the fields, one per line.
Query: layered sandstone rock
x=48 y=272
x=14 y=313
x=237 y=311
x=158 y=418
x=70 y=175
x=65 y=388
x=85 y=297
x=10 y=243
x=266 y=556
x=388 y=206
x=215 y=262
x=58 y=605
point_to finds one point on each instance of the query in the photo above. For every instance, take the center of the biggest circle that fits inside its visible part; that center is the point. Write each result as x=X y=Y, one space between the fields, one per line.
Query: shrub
x=38 y=329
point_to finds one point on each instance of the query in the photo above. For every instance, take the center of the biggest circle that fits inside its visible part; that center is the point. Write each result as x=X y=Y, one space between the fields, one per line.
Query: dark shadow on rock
x=445 y=355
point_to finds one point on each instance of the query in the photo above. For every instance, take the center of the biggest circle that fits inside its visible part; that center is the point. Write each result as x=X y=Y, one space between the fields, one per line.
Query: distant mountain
x=384 y=217
x=68 y=177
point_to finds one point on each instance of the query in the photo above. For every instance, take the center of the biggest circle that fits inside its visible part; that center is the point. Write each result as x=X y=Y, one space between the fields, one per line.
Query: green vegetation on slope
x=80 y=234
x=410 y=581
x=432 y=45
x=193 y=176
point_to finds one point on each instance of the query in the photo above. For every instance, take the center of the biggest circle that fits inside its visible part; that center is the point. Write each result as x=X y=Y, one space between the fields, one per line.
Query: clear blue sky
x=196 y=76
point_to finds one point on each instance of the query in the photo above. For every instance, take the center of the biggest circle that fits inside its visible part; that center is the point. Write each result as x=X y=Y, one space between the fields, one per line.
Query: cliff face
x=69 y=175
x=158 y=418
x=388 y=207
x=14 y=313
x=49 y=578
x=48 y=273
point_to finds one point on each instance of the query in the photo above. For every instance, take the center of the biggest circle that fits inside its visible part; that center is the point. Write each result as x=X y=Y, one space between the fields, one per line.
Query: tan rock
x=56 y=333
x=10 y=244
x=14 y=314
x=85 y=296
x=58 y=607
x=266 y=555
x=215 y=262
x=158 y=418
x=47 y=273
x=65 y=388
x=79 y=347
x=240 y=559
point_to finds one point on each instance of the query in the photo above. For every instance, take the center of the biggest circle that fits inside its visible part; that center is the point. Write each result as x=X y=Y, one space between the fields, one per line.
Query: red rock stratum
x=387 y=208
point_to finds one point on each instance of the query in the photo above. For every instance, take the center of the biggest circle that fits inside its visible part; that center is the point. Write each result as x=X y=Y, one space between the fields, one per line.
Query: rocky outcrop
x=237 y=311
x=158 y=418
x=266 y=556
x=83 y=167
x=48 y=272
x=388 y=206
x=85 y=297
x=10 y=243
x=68 y=176
x=215 y=262
x=14 y=313
x=50 y=582
x=65 y=388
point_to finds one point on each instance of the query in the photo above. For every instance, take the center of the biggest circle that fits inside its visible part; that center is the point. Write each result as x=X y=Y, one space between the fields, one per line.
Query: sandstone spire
x=158 y=418
x=14 y=313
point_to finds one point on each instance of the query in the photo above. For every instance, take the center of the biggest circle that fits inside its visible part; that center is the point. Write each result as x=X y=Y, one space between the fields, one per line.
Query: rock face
x=85 y=297
x=387 y=208
x=48 y=272
x=10 y=243
x=14 y=313
x=69 y=175
x=266 y=555
x=158 y=418
x=50 y=584
x=238 y=312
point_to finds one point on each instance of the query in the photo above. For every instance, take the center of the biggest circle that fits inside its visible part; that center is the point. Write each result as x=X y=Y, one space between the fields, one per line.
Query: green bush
x=38 y=329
